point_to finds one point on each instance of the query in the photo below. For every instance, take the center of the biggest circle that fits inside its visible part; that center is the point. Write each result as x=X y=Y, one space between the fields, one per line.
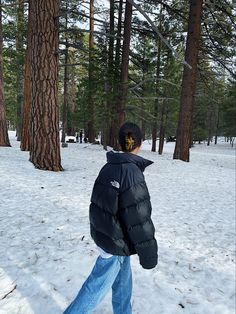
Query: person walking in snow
x=120 y=225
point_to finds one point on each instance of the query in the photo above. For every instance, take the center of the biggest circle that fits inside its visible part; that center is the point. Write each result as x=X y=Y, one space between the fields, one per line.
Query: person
x=120 y=225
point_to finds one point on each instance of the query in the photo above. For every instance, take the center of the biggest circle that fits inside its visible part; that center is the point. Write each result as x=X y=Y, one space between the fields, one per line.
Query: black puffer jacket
x=120 y=210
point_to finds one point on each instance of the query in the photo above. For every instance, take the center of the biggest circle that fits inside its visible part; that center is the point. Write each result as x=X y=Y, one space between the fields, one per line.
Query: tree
x=45 y=144
x=27 y=98
x=184 y=129
x=125 y=63
x=91 y=128
x=66 y=82
x=228 y=127
x=19 y=68
x=4 y=139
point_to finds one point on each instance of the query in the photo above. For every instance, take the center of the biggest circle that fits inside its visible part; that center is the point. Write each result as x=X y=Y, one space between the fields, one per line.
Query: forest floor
x=46 y=251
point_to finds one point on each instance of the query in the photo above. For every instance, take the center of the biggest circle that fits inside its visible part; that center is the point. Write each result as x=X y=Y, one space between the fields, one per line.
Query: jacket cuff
x=147 y=252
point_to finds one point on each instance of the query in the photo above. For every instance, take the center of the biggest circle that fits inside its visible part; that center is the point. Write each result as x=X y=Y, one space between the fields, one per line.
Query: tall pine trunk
x=189 y=82
x=91 y=127
x=109 y=85
x=19 y=68
x=4 y=139
x=162 y=128
x=158 y=73
x=66 y=82
x=27 y=99
x=45 y=146
x=125 y=64
x=72 y=93
x=114 y=125
x=118 y=43
x=156 y=103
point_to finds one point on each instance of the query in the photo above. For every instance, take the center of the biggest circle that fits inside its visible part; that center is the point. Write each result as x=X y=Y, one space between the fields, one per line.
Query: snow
x=46 y=250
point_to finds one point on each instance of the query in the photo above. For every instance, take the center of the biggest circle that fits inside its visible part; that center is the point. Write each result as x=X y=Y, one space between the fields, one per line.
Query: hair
x=130 y=137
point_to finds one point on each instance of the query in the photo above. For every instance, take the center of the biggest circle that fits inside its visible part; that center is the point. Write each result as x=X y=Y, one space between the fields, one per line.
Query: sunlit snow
x=46 y=251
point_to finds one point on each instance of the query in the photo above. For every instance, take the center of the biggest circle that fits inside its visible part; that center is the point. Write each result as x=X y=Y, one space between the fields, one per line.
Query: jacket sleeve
x=135 y=215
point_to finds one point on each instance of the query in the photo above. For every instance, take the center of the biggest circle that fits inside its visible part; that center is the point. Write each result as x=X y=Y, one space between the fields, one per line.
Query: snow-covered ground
x=46 y=251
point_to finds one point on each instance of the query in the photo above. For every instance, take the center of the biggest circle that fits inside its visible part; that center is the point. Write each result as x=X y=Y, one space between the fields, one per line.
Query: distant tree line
x=164 y=65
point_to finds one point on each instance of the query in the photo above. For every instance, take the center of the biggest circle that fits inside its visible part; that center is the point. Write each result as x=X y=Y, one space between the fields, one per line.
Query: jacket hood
x=119 y=158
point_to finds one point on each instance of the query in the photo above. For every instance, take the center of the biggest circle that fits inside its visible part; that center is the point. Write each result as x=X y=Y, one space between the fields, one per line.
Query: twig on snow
x=14 y=288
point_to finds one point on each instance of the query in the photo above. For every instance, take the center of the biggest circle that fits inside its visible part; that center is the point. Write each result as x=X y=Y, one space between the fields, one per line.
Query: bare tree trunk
x=217 y=125
x=91 y=129
x=143 y=128
x=65 y=99
x=125 y=63
x=114 y=123
x=118 y=41
x=19 y=69
x=45 y=146
x=154 y=128
x=109 y=85
x=158 y=72
x=65 y=92
x=26 y=111
x=162 y=129
x=189 y=82
x=72 y=94
x=4 y=139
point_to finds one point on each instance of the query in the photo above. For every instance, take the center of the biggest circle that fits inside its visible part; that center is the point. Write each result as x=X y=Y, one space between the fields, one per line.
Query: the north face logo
x=115 y=184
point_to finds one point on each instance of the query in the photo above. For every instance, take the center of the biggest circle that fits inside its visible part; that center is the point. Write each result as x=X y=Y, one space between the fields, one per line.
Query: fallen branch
x=14 y=288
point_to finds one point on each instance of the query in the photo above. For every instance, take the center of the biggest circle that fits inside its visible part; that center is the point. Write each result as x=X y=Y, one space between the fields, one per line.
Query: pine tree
x=27 y=99
x=4 y=139
x=184 y=129
x=45 y=145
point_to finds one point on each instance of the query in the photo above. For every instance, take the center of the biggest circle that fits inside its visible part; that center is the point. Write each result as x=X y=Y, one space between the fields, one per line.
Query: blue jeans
x=113 y=272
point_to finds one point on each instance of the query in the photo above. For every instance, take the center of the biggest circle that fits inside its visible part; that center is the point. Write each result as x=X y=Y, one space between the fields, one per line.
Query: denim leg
x=122 y=288
x=96 y=286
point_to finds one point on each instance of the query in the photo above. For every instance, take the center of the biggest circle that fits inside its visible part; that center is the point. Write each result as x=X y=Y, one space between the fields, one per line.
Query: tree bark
x=26 y=110
x=189 y=82
x=91 y=129
x=125 y=64
x=163 y=123
x=109 y=85
x=66 y=82
x=155 y=109
x=217 y=125
x=72 y=95
x=45 y=145
x=114 y=122
x=118 y=41
x=4 y=139
x=19 y=69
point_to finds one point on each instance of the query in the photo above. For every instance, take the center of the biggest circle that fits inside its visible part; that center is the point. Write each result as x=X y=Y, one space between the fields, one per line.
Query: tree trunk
x=143 y=128
x=72 y=94
x=158 y=73
x=109 y=85
x=125 y=64
x=114 y=122
x=45 y=146
x=217 y=125
x=154 y=129
x=91 y=129
x=189 y=82
x=65 y=92
x=118 y=41
x=19 y=68
x=65 y=99
x=4 y=139
x=162 y=129
x=26 y=111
